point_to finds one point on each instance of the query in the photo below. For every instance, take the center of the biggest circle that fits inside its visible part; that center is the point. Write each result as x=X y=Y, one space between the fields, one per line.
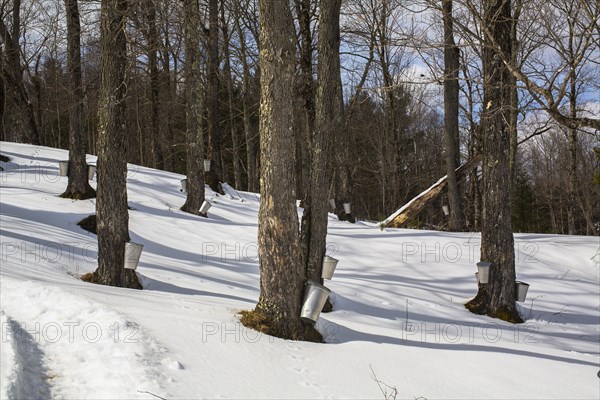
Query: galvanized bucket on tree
x=133 y=251
x=329 y=264
x=483 y=268
x=64 y=168
x=184 y=185
x=315 y=296
x=521 y=289
x=205 y=206
x=91 y=172
x=206 y=165
x=347 y=208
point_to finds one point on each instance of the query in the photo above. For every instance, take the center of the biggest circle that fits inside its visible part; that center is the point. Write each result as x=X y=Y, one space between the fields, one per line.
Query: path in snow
x=23 y=373
x=62 y=345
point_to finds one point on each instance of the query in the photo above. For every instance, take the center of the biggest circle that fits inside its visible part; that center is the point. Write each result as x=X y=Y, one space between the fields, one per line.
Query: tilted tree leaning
x=497 y=298
x=282 y=274
x=111 y=204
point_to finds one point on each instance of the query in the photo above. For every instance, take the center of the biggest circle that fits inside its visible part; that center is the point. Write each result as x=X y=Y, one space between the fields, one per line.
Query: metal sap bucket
x=183 y=186
x=329 y=264
x=63 y=166
x=521 y=288
x=205 y=206
x=133 y=251
x=315 y=296
x=91 y=172
x=483 y=268
x=347 y=208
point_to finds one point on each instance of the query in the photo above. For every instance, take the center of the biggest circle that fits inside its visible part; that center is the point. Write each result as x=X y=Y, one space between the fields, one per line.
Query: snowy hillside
x=398 y=294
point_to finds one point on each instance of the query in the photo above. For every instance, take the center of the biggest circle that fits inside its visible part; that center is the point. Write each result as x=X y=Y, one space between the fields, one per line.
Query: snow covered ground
x=398 y=294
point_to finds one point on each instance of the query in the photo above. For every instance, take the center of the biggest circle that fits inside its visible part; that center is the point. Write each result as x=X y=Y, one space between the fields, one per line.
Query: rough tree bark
x=451 y=104
x=514 y=103
x=194 y=107
x=497 y=298
x=572 y=133
x=390 y=148
x=2 y=96
x=13 y=74
x=111 y=205
x=235 y=137
x=306 y=96
x=217 y=170
x=168 y=95
x=328 y=123
x=249 y=134
x=78 y=186
x=155 y=146
x=282 y=274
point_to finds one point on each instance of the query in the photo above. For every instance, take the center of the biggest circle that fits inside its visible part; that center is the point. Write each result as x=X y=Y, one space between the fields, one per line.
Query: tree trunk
x=3 y=136
x=78 y=186
x=194 y=110
x=155 y=143
x=306 y=94
x=282 y=274
x=474 y=147
x=497 y=298
x=328 y=123
x=251 y=147
x=451 y=133
x=235 y=138
x=572 y=191
x=14 y=76
x=514 y=98
x=572 y=133
x=168 y=100
x=111 y=205
x=217 y=170
x=390 y=146
x=341 y=184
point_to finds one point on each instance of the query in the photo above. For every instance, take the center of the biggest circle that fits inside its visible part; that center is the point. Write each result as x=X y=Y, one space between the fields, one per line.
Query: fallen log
x=410 y=210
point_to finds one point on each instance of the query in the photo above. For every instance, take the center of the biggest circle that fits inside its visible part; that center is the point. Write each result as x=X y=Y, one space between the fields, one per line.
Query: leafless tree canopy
x=401 y=65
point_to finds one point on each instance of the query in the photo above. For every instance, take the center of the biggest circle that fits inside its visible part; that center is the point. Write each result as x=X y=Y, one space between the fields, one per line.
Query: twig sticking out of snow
x=384 y=387
x=152 y=394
